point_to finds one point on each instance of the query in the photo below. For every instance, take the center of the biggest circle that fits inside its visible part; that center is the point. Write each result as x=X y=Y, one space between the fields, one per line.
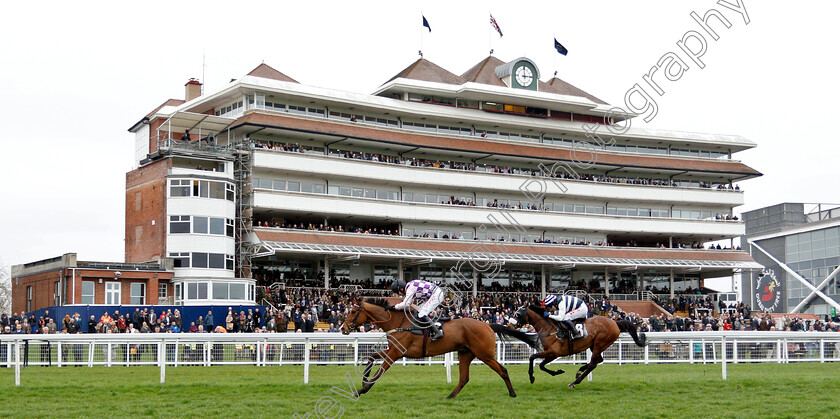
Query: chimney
x=193 y=90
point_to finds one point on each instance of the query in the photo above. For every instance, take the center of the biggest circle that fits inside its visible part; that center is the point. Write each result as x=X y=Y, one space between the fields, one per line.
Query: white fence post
x=58 y=357
x=723 y=356
x=17 y=363
x=447 y=360
x=306 y=361
x=162 y=360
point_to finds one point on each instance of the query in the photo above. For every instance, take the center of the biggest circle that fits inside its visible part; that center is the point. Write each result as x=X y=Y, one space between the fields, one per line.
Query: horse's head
x=355 y=316
x=520 y=317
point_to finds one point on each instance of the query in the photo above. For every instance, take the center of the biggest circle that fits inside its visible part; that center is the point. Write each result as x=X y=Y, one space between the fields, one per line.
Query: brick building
x=63 y=280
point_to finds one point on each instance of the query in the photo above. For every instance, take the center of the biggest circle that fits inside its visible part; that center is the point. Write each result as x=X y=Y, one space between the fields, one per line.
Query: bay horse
x=471 y=338
x=601 y=333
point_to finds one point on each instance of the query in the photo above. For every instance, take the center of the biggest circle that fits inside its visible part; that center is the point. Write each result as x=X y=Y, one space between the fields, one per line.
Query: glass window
x=199 y=260
x=217 y=190
x=358 y=192
x=180 y=260
x=192 y=291
x=229 y=262
x=220 y=291
x=370 y=193
x=332 y=190
x=229 y=192
x=216 y=261
x=112 y=293
x=229 y=227
x=202 y=290
x=179 y=187
x=306 y=187
x=293 y=186
x=138 y=293
x=217 y=226
x=318 y=188
x=200 y=225
x=162 y=290
x=344 y=190
x=88 y=292
x=179 y=224
x=279 y=185
x=237 y=291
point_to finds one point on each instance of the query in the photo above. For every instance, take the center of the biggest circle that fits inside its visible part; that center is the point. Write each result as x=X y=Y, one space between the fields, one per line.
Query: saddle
x=418 y=330
x=579 y=331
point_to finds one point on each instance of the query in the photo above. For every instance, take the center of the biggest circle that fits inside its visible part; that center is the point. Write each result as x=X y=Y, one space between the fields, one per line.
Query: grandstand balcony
x=314 y=166
x=326 y=206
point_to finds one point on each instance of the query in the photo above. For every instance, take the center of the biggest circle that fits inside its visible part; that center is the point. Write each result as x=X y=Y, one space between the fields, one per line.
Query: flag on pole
x=426 y=23
x=560 y=48
x=495 y=25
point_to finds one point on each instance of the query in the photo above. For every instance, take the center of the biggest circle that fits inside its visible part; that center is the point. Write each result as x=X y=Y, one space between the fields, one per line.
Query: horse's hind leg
x=587 y=368
x=389 y=357
x=464 y=360
x=492 y=363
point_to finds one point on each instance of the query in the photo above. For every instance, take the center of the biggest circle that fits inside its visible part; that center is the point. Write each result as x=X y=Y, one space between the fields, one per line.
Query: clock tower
x=521 y=73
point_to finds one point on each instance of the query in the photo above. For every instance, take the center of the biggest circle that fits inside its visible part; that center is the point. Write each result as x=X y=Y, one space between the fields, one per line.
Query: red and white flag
x=495 y=25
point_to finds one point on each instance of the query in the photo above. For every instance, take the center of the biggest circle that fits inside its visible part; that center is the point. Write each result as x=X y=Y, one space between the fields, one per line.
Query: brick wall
x=145 y=212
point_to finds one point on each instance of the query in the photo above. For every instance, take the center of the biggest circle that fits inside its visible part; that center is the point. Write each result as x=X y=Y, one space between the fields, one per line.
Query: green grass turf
x=767 y=390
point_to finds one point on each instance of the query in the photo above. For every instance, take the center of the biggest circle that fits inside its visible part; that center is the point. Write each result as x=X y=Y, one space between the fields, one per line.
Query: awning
x=276 y=247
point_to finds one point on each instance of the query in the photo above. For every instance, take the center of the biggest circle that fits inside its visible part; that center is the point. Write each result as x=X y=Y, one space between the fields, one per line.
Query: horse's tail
x=531 y=340
x=628 y=327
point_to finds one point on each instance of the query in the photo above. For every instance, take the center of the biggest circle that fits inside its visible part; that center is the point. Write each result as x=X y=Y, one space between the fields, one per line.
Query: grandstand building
x=800 y=252
x=486 y=180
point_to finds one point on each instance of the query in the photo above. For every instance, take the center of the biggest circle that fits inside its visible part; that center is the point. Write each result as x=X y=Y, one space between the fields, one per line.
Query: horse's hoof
x=512 y=394
x=572 y=385
x=532 y=379
x=560 y=372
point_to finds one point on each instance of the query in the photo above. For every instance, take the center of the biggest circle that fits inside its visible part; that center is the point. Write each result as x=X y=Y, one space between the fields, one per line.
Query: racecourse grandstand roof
x=345 y=244
x=267 y=72
x=426 y=70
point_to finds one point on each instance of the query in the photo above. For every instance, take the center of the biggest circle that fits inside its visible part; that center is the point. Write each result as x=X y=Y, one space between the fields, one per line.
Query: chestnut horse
x=601 y=333
x=469 y=337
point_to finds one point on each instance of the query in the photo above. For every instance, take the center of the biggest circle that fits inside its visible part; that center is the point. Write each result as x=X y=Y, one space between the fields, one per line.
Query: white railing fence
x=270 y=349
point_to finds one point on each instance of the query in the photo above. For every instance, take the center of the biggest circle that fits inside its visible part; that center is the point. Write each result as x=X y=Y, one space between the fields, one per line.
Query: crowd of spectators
x=467 y=166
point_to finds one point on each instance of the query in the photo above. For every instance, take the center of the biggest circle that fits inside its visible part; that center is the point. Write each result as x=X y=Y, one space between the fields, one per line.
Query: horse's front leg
x=545 y=362
x=372 y=360
x=543 y=354
x=389 y=357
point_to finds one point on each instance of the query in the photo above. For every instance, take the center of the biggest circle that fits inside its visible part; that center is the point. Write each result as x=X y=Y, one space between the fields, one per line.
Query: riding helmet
x=397 y=286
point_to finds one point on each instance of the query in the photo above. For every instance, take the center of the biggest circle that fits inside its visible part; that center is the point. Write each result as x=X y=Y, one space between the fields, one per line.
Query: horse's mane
x=381 y=302
x=537 y=309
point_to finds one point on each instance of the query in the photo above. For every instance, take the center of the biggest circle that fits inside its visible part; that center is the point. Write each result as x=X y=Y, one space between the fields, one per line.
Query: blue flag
x=560 y=48
x=426 y=23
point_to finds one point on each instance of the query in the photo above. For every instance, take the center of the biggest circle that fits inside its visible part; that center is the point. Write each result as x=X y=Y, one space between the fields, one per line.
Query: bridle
x=356 y=317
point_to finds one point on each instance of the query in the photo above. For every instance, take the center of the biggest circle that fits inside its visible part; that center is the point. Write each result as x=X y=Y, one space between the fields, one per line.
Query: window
x=88 y=288
x=229 y=192
x=179 y=187
x=57 y=293
x=229 y=262
x=138 y=293
x=200 y=225
x=217 y=226
x=220 y=291
x=112 y=293
x=180 y=260
x=237 y=291
x=179 y=293
x=162 y=290
x=29 y=298
x=199 y=260
x=197 y=291
x=229 y=227
x=179 y=224
x=216 y=261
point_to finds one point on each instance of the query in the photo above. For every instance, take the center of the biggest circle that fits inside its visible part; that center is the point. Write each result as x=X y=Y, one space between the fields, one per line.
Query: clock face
x=524 y=76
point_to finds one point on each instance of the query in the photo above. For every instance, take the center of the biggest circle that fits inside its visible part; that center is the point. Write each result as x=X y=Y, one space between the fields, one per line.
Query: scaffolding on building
x=241 y=149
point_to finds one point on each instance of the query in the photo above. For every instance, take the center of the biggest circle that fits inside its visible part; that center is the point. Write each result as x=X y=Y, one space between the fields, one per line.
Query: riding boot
x=435 y=332
x=570 y=327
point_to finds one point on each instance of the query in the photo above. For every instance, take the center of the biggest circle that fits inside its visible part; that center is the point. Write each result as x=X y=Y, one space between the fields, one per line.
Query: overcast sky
x=75 y=76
